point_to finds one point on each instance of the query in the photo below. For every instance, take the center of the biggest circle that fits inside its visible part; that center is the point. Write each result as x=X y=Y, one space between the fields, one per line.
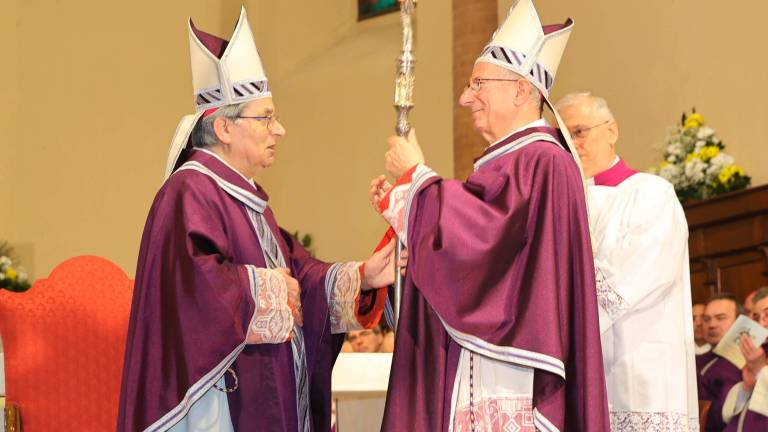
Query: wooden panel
x=728 y=243
x=733 y=205
x=696 y=244
x=728 y=237
x=741 y=277
x=700 y=289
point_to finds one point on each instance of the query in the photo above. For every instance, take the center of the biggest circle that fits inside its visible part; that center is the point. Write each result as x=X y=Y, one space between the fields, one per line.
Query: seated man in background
x=717 y=375
x=746 y=405
x=643 y=291
x=371 y=340
x=698 y=330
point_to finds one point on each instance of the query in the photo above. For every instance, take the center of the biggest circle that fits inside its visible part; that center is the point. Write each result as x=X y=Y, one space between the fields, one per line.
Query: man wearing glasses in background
x=643 y=288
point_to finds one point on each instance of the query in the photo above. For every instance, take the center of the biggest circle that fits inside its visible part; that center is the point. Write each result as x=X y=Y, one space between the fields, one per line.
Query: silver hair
x=598 y=104
x=536 y=97
x=203 y=135
x=760 y=294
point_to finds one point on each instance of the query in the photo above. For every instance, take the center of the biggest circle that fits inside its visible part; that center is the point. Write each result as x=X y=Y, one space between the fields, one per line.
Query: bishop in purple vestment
x=498 y=325
x=234 y=326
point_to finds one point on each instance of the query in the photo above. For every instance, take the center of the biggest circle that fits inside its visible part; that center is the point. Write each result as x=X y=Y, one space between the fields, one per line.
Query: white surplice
x=643 y=283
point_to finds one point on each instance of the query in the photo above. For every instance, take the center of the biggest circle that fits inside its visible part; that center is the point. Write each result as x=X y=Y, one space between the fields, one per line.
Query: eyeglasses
x=477 y=83
x=270 y=119
x=583 y=132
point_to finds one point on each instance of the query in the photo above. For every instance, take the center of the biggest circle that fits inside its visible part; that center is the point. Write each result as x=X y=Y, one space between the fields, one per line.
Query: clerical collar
x=247 y=180
x=536 y=123
x=613 y=176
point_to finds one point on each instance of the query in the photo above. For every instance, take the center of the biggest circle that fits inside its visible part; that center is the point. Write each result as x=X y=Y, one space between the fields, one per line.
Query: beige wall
x=104 y=85
x=654 y=59
x=8 y=110
x=101 y=88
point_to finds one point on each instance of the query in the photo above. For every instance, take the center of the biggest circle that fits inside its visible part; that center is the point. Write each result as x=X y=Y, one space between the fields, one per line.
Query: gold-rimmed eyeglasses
x=271 y=119
x=583 y=132
x=476 y=84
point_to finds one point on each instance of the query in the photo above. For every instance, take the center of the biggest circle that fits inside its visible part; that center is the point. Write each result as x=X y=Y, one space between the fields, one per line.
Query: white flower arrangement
x=695 y=163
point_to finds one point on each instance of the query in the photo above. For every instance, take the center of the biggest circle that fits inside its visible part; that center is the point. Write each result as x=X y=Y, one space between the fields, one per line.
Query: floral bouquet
x=695 y=163
x=11 y=278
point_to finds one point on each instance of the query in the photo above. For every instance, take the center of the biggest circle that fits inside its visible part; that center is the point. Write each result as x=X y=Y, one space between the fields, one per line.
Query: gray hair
x=760 y=294
x=598 y=104
x=203 y=135
x=536 y=97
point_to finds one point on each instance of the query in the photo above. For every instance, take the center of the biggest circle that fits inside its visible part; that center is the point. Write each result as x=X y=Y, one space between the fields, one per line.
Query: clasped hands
x=379 y=272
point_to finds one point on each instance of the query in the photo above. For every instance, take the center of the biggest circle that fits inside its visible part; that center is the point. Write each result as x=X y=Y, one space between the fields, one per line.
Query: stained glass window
x=371 y=8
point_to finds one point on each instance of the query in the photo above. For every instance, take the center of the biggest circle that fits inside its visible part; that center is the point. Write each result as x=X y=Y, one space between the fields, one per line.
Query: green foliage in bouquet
x=11 y=278
x=695 y=163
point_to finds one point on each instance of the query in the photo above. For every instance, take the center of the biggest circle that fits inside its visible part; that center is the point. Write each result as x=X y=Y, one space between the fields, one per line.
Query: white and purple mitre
x=522 y=45
x=223 y=73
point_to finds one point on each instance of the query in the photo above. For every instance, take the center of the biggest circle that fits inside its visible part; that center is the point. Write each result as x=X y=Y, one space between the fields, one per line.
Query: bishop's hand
x=380 y=268
x=294 y=295
x=403 y=154
x=753 y=354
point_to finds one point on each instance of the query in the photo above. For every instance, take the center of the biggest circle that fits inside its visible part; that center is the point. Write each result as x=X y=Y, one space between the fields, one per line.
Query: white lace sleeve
x=608 y=298
x=272 y=320
x=342 y=288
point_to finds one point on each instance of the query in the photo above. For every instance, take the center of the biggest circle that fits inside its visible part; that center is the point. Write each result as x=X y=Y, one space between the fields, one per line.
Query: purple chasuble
x=192 y=305
x=614 y=175
x=748 y=421
x=716 y=378
x=503 y=259
x=701 y=361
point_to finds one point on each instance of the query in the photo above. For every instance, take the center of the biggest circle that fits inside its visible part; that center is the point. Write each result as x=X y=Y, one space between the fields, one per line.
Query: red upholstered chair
x=64 y=341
